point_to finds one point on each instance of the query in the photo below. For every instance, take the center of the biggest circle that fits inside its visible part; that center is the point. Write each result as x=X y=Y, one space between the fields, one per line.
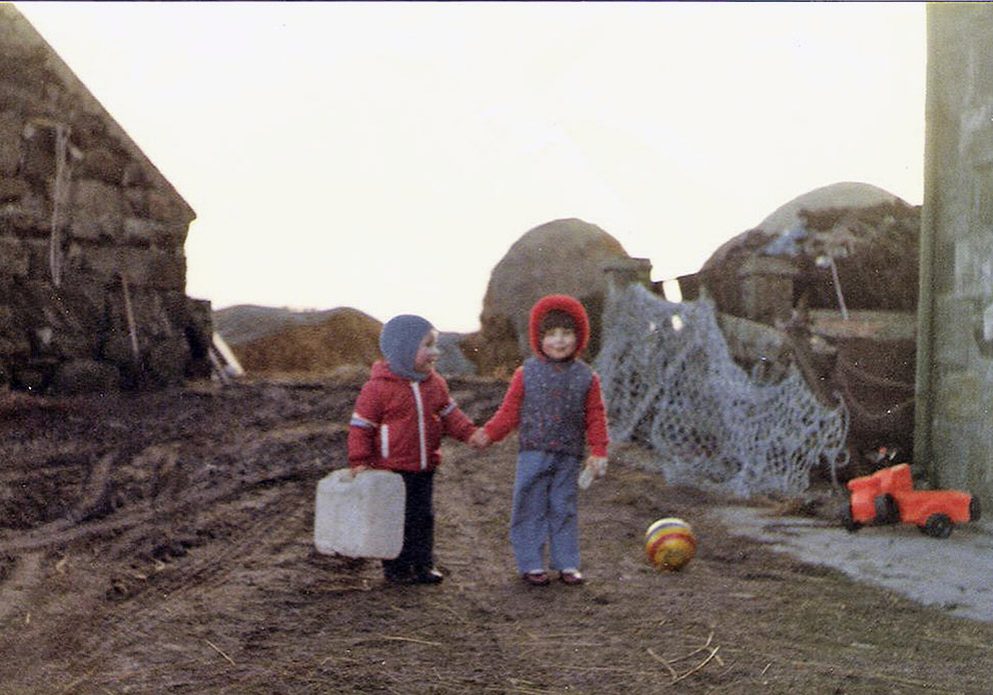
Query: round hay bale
x=345 y=336
x=563 y=256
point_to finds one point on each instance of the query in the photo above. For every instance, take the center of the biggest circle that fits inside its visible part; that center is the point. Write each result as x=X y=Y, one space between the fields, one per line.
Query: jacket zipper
x=421 y=427
x=384 y=441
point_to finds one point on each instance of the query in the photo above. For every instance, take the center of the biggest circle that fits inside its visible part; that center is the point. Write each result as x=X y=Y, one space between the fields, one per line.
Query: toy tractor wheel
x=886 y=509
x=975 y=509
x=847 y=521
x=937 y=526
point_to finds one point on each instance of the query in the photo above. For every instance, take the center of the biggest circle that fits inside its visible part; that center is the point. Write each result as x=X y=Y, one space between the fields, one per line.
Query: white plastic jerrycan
x=360 y=516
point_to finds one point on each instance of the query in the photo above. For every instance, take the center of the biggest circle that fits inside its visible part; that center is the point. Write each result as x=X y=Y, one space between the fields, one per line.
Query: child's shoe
x=571 y=577
x=398 y=575
x=427 y=575
x=536 y=578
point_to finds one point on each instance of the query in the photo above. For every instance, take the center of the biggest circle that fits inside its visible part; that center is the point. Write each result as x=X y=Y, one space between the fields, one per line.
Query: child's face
x=427 y=353
x=558 y=343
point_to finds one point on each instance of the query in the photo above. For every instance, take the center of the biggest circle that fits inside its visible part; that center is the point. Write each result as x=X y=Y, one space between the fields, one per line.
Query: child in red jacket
x=401 y=414
x=555 y=401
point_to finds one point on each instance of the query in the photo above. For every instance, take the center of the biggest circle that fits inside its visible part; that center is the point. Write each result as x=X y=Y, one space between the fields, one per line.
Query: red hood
x=562 y=302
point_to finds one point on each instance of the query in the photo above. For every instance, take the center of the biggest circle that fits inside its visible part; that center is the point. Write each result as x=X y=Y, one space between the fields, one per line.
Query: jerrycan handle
x=344 y=476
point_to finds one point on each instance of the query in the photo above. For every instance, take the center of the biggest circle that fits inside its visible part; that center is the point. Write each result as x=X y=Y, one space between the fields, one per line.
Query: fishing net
x=670 y=383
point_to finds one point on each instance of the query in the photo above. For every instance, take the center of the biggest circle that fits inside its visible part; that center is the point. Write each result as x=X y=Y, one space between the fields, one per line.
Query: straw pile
x=341 y=337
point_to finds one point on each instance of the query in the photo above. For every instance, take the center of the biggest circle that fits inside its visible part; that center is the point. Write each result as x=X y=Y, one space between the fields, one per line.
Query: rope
x=889 y=416
x=132 y=326
x=60 y=200
x=848 y=368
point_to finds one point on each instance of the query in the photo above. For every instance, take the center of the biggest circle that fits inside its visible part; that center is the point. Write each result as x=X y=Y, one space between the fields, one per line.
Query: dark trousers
x=418 y=525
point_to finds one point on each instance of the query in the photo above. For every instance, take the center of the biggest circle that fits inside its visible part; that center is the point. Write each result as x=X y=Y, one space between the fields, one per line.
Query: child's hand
x=479 y=439
x=598 y=464
x=355 y=470
x=595 y=467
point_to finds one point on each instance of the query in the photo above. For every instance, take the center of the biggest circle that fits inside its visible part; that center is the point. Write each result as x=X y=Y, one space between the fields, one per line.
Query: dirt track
x=158 y=543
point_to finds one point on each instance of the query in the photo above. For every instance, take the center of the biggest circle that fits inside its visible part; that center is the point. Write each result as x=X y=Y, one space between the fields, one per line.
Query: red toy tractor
x=888 y=496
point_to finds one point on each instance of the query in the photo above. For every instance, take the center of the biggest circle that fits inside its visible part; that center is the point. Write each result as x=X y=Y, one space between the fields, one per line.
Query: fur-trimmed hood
x=562 y=302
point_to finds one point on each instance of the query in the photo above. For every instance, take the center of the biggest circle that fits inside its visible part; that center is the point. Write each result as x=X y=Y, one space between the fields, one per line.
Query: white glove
x=586 y=477
x=596 y=467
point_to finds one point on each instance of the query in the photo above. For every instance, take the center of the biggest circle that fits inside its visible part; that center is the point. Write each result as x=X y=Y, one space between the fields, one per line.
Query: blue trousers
x=545 y=511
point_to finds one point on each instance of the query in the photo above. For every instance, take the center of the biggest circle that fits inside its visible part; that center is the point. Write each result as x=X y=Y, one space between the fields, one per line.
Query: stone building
x=954 y=428
x=92 y=266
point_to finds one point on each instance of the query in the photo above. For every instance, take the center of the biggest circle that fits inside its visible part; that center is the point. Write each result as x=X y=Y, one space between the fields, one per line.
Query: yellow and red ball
x=670 y=543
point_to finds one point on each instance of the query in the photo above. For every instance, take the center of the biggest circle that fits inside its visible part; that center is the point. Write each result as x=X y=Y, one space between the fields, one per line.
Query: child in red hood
x=400 y=417
x=555 y=401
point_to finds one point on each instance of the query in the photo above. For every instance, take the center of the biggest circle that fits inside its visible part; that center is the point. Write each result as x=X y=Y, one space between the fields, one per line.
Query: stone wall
x=955 y=347
x=92 y=267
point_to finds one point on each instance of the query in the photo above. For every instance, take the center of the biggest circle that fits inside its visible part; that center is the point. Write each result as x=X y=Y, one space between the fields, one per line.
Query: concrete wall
x=92 y=268
x=955 y=347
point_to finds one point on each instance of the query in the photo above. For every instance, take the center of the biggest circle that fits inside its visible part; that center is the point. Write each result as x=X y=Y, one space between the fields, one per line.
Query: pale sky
x=385 y=156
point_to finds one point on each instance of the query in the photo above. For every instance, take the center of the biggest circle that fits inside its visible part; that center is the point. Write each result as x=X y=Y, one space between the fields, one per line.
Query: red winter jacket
x=398 y=424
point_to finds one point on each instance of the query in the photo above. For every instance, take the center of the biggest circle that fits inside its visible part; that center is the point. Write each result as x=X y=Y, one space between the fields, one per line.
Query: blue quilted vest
x=553 y=414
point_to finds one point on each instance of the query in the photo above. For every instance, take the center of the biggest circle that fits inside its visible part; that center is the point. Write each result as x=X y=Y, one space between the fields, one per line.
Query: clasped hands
x=479 y=439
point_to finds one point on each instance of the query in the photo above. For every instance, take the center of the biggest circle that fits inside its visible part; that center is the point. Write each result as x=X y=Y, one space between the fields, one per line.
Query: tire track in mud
x=166 y=601
x=202 y=494
x=176 y=502
x=244 y=522
x=46 y=463
x=205 y=568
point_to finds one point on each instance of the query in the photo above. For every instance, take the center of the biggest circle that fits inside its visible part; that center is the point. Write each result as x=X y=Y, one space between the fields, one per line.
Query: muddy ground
x=162 y=543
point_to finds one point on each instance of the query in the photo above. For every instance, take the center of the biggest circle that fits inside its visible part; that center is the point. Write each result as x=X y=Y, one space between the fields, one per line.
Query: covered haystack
x=564 y=256
x=871 y=236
